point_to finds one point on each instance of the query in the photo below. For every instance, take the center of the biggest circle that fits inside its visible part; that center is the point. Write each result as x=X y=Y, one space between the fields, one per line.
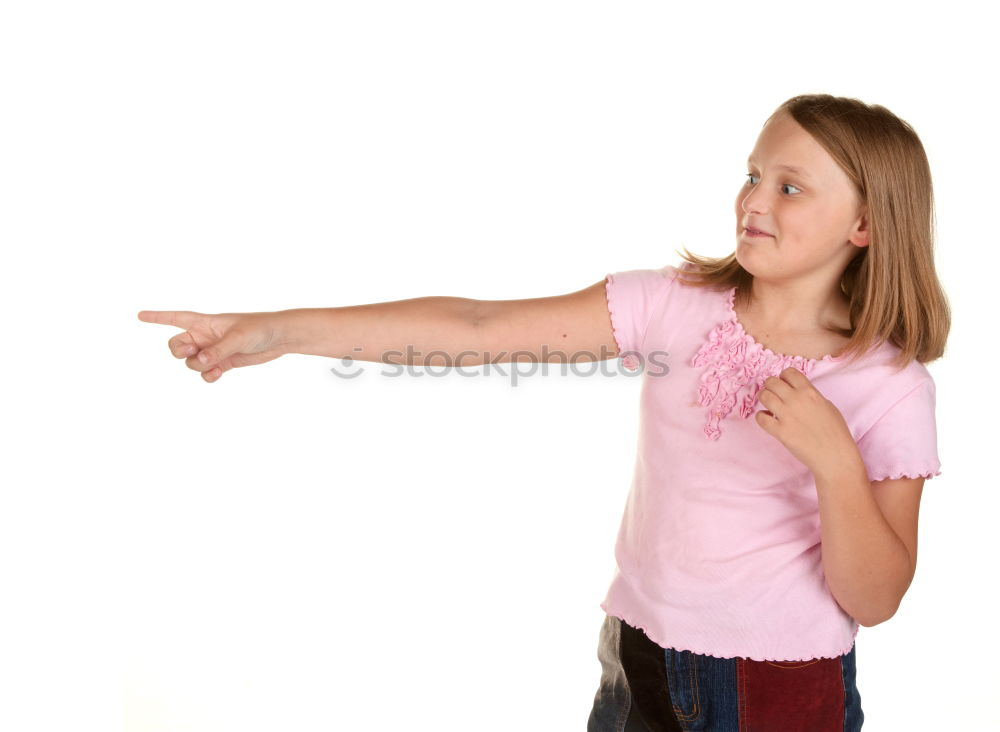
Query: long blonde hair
x=891 y=284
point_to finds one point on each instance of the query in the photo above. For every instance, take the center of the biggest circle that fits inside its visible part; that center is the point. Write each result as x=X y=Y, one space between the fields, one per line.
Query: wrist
x=843 y=465
x=290 y=333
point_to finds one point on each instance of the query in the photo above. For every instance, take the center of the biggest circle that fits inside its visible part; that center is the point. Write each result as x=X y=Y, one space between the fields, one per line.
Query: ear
x=859 y=237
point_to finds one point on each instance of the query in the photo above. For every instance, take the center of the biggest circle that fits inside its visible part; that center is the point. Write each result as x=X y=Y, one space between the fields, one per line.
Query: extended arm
x=458 y=331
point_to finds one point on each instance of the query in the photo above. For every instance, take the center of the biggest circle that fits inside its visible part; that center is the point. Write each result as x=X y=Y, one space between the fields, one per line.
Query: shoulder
x=886 y=378
x=877 y=387
x=870 y=385
x=668 y=287
x=896 y=421
x=646 y=286
x=653 y=275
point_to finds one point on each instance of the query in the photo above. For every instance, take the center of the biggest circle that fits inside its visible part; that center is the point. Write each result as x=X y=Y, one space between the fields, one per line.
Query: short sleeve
x=632 y=298
x=903 y=442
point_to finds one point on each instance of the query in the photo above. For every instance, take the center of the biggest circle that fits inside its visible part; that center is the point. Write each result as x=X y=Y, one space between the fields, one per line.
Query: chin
x=742 y=259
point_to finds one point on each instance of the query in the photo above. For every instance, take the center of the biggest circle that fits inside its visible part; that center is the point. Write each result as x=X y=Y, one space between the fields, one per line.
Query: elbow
x=870 y=622
x=872 y=618
x=877 y=609
x=476 y=312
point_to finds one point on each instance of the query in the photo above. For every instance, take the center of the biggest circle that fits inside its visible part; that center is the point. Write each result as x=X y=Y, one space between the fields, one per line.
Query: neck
x=796 y=308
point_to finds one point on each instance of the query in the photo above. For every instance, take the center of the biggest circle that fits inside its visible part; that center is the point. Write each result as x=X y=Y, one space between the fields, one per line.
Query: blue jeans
x=646 y=688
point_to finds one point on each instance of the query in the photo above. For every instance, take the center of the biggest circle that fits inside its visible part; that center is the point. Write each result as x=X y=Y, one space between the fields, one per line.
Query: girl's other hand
x=213 y=344
x=808 y=424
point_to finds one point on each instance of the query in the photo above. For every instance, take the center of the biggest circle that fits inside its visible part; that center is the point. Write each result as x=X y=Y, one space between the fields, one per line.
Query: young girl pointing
x=781 y=457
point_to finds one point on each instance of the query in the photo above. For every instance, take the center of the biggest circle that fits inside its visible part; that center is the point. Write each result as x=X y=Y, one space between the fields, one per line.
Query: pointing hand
x=213 y=344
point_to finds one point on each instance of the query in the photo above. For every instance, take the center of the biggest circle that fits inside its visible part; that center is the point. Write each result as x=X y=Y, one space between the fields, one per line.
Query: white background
x=286 y=550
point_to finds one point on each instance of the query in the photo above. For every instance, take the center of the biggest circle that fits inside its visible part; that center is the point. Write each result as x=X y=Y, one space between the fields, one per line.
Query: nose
x=755 y=201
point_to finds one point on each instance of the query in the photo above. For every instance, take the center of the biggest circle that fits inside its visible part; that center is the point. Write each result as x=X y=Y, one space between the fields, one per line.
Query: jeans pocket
x=792 y=664
x=792 y=695
x=682 y=676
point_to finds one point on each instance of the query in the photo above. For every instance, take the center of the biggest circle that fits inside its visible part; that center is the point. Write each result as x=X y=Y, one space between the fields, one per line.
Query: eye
x=784 y=185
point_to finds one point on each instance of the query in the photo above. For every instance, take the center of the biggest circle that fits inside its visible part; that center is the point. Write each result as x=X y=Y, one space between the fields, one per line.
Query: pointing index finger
x=178 y=318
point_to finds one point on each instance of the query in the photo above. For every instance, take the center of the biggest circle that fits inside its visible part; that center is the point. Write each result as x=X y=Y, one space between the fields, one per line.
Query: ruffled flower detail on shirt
x=630 y=362
x=736 y=368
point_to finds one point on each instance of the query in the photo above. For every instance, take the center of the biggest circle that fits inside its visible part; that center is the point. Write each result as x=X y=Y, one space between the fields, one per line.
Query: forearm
x=402 y=331
x=867 y=566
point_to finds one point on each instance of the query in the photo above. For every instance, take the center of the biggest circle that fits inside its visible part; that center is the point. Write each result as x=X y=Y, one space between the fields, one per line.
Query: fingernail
x=203 y=357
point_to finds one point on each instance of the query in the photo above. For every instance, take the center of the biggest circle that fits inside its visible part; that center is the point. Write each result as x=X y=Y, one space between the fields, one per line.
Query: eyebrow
x=789 y=168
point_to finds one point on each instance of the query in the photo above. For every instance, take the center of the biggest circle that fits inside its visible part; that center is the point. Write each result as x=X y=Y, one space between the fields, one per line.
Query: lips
x=752 y=230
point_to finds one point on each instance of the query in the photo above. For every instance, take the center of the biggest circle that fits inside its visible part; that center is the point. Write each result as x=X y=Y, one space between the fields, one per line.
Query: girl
x=783 y=449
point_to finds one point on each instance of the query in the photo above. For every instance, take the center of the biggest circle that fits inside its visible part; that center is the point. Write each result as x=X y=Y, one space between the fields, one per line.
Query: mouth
x=750 y=231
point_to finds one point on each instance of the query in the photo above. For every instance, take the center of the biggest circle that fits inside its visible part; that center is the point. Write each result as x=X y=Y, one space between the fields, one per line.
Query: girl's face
x=813 y=214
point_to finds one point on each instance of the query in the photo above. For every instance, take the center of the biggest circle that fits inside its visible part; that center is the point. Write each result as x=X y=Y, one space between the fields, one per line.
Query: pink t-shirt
x=719 y=546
